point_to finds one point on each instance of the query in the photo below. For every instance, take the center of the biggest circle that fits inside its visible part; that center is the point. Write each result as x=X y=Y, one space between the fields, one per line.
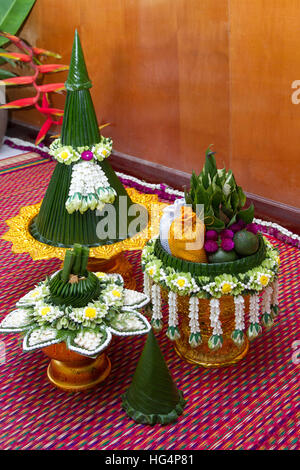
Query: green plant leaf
x=242 y=196
x=247 y=214
x=6 y=74
x=12 y=15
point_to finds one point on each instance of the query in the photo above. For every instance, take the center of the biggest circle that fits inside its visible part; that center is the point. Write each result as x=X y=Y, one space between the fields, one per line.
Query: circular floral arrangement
x=261 y=279
x=67 y=154
x=184 y=283
x=86 y=330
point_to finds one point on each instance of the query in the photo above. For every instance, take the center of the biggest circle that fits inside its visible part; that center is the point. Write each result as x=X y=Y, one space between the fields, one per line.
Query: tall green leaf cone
x=54 y=225
x=153 y=396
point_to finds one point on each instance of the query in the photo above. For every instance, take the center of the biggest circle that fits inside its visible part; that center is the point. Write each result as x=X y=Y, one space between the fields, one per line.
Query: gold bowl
x=230 y=353
x=72 y=372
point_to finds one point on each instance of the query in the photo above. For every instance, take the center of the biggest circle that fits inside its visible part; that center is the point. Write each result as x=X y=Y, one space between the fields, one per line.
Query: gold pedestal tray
x=230 y=353
x=24 y=242
x=72 y=372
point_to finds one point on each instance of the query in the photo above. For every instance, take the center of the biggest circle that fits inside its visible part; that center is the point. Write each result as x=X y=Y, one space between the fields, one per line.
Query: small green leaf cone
x=153 y=396
x=60 y=224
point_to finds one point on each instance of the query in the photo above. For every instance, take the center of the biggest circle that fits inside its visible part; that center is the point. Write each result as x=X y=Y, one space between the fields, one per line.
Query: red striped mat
x=252 y=405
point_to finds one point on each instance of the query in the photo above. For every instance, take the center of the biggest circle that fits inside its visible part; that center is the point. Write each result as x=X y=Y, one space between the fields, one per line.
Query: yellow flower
x=264 y=280
x=181 y=282
x=34 y=294
x=45 y=310
x=278 y=260
x=90 y=312
x=226 y=288
x=64 y=155
x=116 y=293
x=104 y=152
x=151 y=271
x=100 y=274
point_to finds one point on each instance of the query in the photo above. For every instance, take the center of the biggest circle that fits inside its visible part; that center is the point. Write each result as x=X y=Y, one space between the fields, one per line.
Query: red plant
x=31 y=55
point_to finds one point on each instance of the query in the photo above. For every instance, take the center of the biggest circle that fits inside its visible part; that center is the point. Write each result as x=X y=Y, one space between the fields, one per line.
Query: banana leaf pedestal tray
x=213 y=309
x=74 y=321
x=108 y=258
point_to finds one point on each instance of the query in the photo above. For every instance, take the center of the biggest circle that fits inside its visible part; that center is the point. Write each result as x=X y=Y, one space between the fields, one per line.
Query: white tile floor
x=6 y=151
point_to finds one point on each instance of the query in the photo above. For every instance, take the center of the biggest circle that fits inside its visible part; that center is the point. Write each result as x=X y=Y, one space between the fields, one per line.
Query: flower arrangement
x=32 y=56
x=260 y=280
x=67 y=154
x=89 y=188
x=79 y=307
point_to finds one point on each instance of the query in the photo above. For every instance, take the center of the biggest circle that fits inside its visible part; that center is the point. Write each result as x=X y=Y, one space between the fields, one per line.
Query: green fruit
x=222 y=256
x=245 y=243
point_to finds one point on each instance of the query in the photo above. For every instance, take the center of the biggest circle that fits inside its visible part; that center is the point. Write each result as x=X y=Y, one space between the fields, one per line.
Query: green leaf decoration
x=215 y=342
x=40 y=338
x=267 y=320
x=218 y=192
x=16 y=321
x=173 y=333
x=89 y=342
x=134 y=299
x=12 y=15
x=156 y=324
x=129 y=322
x=238 y=337
x=247 y=215
x=195 y=340
x=254 y=330
x=274 y=310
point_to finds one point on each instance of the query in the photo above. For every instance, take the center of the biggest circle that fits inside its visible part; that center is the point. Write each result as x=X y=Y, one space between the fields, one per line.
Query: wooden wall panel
x=159 y=69
x=173 y=76
x=265 y=124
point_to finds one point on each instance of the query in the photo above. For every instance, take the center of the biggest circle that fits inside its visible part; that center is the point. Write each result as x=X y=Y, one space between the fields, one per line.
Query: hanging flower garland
x=267 y=319
x=173 y=331
x=89 y=188
x=238 y=334
x=274 y=298
x=254 y=328
x=216 y=339
x=195 y=336
x=156 y=321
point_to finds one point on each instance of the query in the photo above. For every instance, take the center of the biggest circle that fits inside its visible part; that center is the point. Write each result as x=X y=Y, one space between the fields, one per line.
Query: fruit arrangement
x=230 y=233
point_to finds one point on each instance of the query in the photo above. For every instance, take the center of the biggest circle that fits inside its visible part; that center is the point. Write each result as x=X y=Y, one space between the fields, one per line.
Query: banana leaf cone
x=54 y=225
x=153 y=396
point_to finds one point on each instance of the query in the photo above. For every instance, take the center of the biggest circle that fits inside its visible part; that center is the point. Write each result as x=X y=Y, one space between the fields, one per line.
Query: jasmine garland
x=86 y=330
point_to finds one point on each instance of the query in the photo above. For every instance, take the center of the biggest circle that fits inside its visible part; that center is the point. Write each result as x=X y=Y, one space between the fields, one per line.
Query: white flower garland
x=147 y=285
x=173 y=331
x=216 y=339
x=254 y=328
x=156 y=307
x=89 y=188
x=195 y=336
x=239 y=312
x=267 y=319
x=275 y=298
